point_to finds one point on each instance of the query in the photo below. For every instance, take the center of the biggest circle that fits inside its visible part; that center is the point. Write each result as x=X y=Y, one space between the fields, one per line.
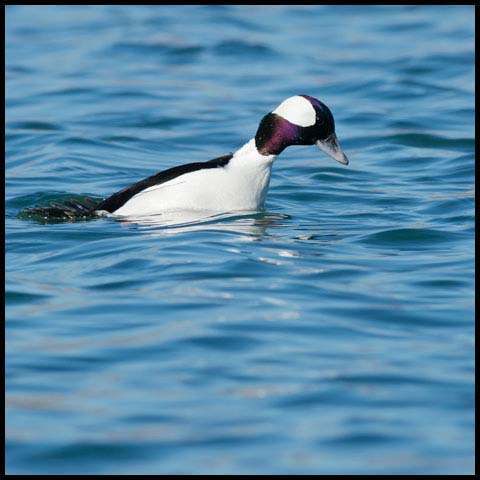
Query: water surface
x=331 y=333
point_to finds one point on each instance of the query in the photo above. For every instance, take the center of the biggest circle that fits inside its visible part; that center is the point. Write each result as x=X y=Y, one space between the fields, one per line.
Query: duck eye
x=320 y=121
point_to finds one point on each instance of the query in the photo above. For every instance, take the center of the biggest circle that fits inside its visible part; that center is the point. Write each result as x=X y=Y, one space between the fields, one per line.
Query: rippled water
x=331 y=333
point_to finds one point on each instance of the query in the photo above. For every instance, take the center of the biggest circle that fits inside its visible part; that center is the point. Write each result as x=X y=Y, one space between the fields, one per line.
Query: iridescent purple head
x=299 y=120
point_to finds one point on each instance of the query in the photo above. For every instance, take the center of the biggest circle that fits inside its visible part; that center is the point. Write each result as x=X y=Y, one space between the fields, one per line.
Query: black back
x=117 y=200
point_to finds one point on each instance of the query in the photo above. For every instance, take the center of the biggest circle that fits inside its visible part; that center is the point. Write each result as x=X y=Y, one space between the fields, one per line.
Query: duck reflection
x=251 y=223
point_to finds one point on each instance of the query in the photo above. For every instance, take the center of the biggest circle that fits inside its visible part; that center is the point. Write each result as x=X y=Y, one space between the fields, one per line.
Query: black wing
x=119 y=199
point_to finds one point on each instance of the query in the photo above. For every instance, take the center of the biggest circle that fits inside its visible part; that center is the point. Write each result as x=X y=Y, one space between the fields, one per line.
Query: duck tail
x=68 y=209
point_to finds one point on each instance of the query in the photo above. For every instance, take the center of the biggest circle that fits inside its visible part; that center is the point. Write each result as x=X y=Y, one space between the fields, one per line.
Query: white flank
x=241 y=185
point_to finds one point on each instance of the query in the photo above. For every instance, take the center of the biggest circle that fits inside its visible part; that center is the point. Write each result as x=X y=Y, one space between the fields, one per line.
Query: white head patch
x=297 y=110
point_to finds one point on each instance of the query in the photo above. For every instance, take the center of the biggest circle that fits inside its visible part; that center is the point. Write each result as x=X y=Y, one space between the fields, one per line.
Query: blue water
x=331 y=333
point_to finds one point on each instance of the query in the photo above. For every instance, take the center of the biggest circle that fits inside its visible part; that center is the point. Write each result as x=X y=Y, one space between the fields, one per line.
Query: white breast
x=241 y=185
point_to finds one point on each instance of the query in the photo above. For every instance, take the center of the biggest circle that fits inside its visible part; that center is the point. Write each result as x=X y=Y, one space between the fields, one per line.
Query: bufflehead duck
x=237 y=181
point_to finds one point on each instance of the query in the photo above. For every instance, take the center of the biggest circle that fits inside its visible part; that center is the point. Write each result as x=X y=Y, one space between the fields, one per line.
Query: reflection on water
x=252 y=223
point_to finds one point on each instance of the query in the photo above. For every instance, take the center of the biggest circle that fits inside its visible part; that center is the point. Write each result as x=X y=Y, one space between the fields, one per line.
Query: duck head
x=299 y=120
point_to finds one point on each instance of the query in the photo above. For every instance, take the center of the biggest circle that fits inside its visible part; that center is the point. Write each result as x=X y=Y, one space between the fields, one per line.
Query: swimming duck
x=237 y=181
